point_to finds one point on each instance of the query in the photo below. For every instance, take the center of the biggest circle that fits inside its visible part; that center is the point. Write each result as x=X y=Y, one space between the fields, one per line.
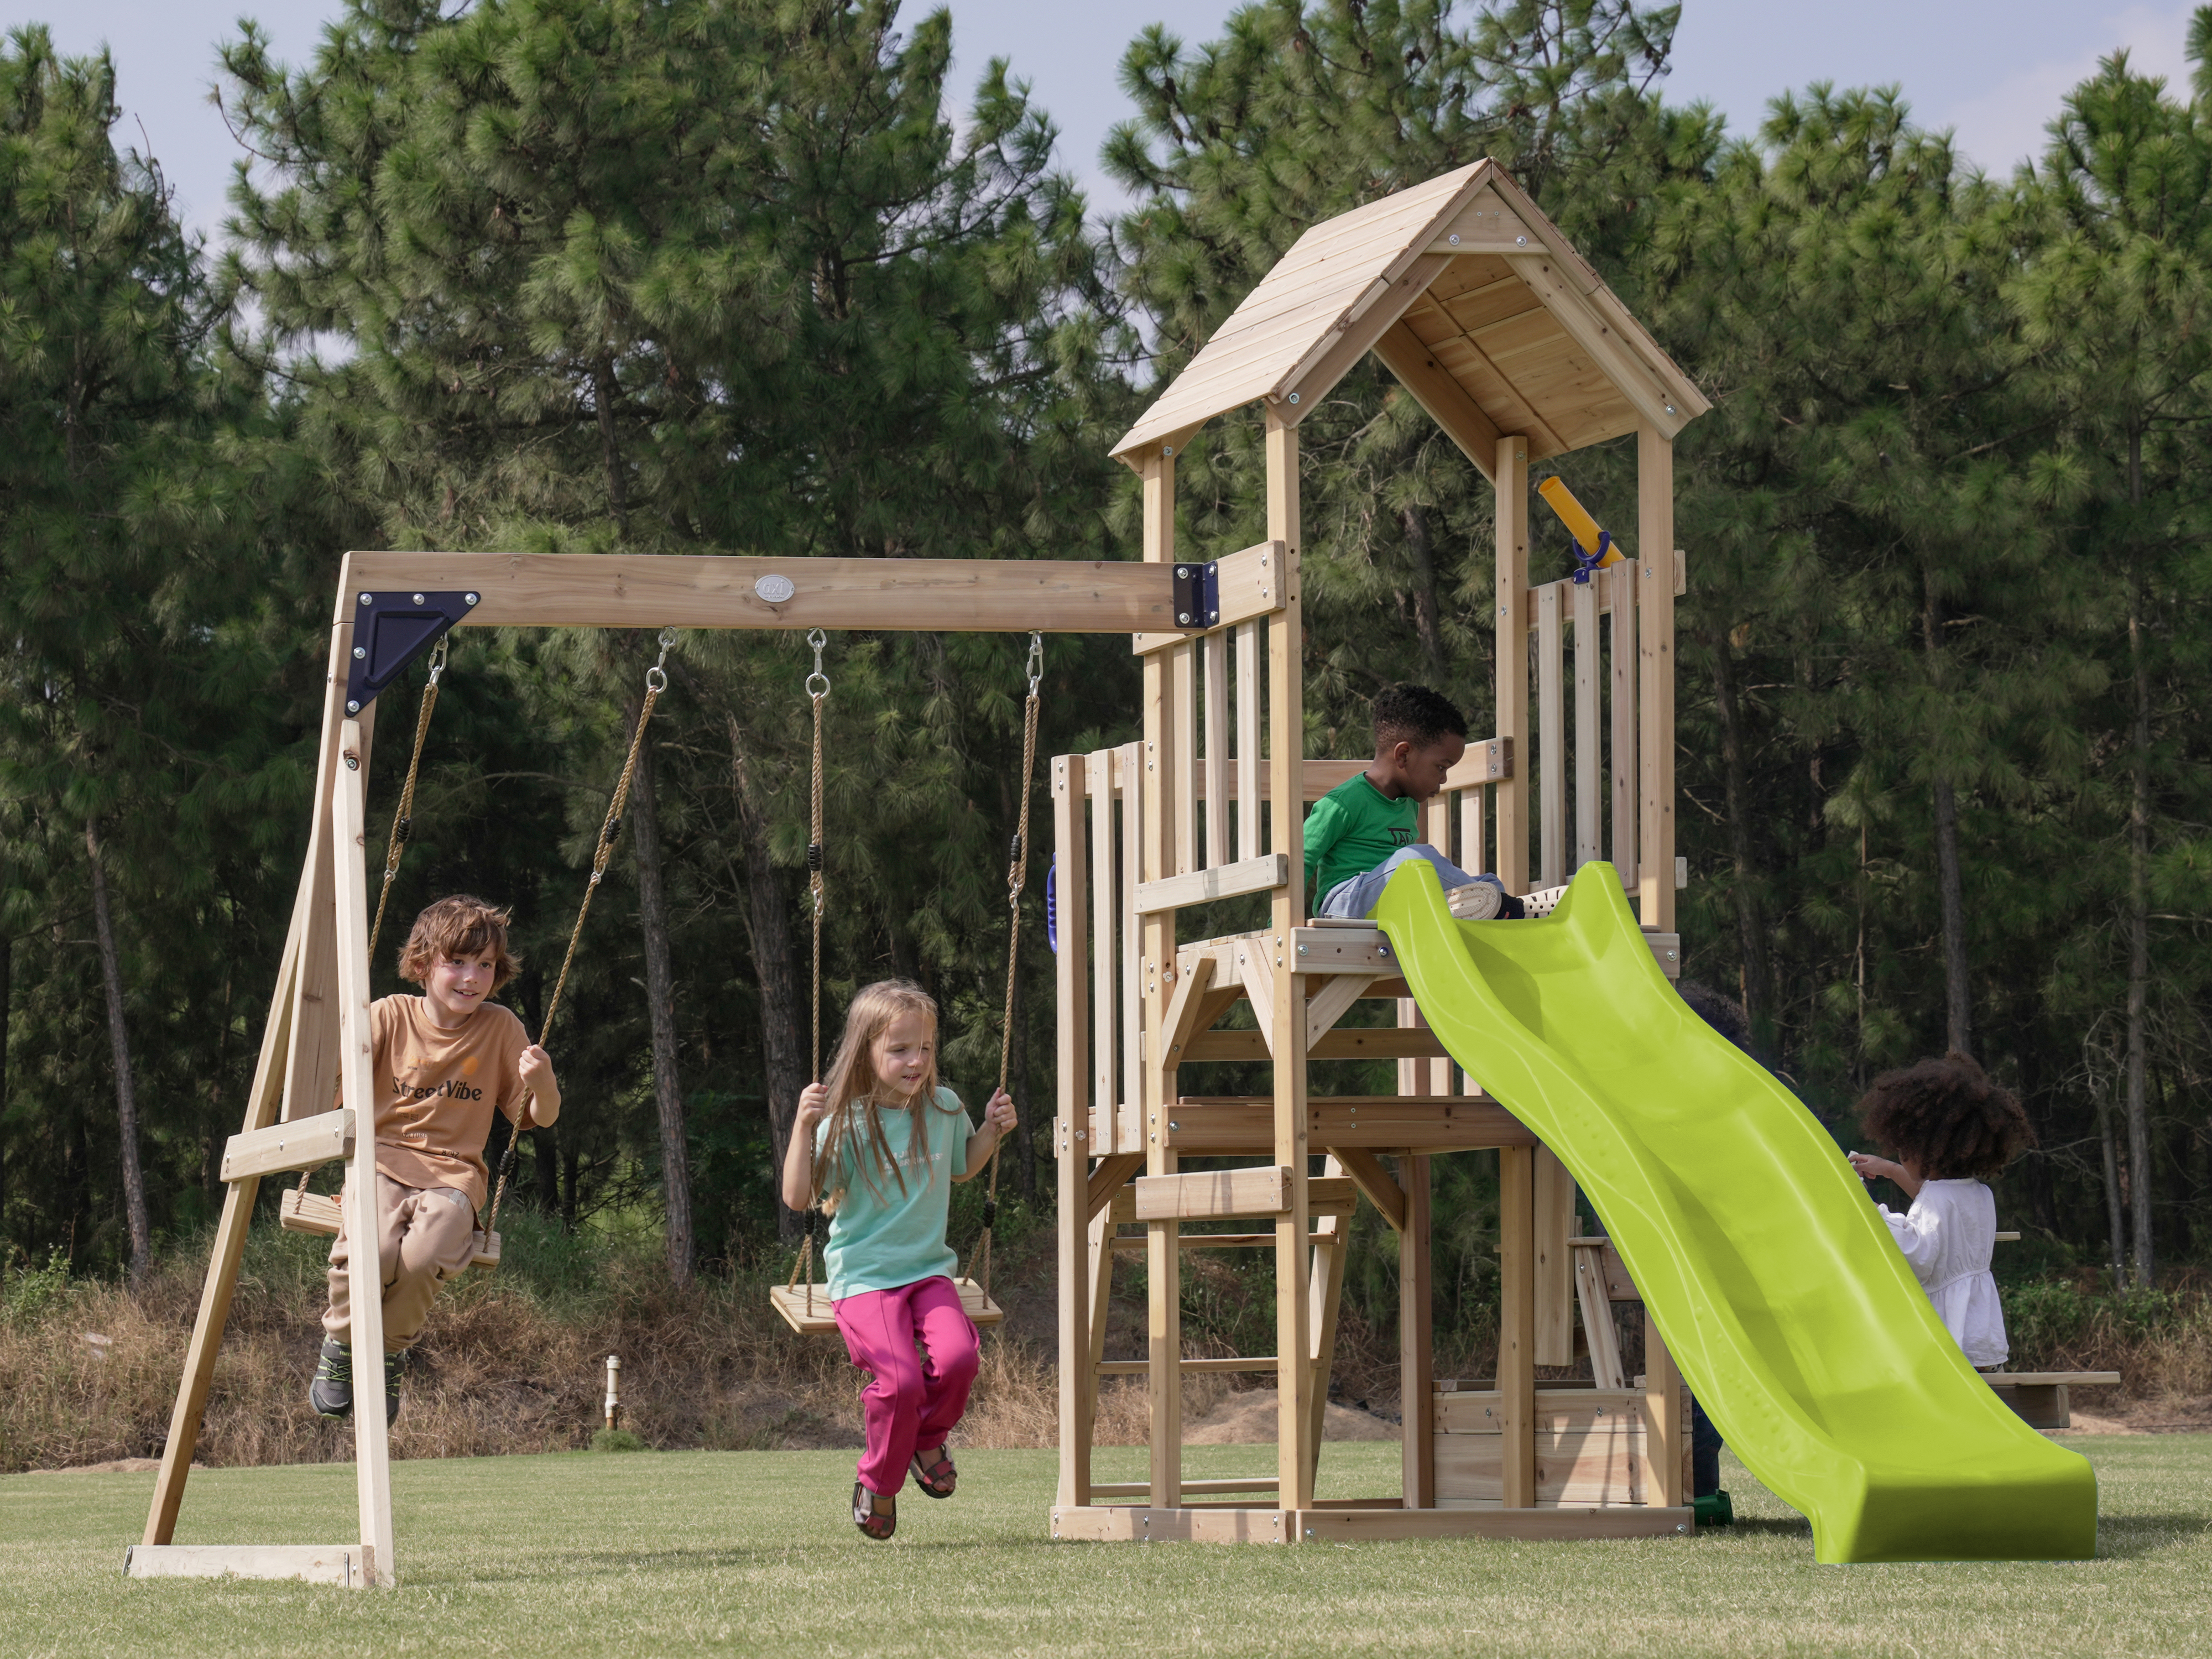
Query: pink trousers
x=911 y=1402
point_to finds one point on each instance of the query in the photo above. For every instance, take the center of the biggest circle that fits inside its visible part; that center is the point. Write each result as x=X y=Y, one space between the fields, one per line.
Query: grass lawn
x=750 y=1552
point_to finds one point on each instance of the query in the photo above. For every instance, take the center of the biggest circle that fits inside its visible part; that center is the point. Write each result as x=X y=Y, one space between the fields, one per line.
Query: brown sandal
x=937 y=1479
x=878 y=1523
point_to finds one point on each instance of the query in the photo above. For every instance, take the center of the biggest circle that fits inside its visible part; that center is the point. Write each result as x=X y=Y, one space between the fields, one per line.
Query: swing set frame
x=319 y=1023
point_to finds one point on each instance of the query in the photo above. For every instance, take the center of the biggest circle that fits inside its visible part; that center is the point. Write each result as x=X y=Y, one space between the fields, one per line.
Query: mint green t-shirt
x=882 y=1236
x=1352 y=829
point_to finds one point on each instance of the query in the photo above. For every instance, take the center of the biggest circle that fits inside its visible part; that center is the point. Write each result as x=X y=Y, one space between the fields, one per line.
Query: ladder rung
x=1139 y=1367
x=1133 y=1243
x=1140 y=1488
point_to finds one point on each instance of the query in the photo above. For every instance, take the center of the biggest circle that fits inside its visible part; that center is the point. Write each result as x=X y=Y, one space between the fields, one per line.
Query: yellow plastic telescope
x=1573 y=514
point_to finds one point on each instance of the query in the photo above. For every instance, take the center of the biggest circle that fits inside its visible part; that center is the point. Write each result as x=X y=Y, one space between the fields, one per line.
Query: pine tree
x=2116 y=299
x=707 y=277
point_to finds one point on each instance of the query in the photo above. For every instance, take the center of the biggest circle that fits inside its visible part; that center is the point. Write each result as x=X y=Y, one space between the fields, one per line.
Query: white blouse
x=1949 y=1235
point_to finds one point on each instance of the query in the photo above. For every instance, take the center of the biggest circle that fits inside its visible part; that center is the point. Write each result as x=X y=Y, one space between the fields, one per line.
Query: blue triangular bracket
x=390 y=630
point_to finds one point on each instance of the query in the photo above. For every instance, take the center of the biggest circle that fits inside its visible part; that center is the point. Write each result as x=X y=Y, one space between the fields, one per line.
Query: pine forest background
x=750 y=276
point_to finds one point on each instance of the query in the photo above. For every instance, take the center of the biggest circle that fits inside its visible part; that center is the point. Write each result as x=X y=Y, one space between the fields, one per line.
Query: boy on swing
x=443 y=1063
x=1363 y=829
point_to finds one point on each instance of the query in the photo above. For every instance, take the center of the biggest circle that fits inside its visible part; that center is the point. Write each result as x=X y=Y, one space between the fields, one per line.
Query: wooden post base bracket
x=352 y=1565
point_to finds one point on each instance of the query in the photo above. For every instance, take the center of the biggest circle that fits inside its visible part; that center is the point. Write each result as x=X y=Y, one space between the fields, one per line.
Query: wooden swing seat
x=805 y=1307
x=317 y=1213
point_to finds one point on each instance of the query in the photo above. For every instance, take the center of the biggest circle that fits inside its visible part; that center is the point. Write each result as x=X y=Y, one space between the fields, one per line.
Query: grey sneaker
x=332 y=1392
x=1479 y=901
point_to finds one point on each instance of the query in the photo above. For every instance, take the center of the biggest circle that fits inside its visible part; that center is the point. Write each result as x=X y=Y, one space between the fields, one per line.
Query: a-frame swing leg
x=297 y=1041
x=365 y=1269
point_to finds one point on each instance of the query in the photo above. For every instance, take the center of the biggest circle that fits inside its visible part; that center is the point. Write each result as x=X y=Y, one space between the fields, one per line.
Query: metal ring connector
x=656 y=678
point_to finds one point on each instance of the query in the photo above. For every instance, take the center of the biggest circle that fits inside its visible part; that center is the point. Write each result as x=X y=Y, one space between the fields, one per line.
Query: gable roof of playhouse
x=1470 y=297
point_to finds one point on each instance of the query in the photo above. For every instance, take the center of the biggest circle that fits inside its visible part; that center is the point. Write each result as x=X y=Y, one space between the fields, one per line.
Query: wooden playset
x=1484 y=314
x=1508 y=339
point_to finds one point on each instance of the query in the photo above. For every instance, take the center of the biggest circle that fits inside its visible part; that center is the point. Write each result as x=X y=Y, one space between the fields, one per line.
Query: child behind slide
x=1952 y=1129
x=1363 y=829
x=441 y=1063
x=878 y=1146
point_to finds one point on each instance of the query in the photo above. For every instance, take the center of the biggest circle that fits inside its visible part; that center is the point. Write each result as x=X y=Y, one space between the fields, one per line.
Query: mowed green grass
x=750 y=1553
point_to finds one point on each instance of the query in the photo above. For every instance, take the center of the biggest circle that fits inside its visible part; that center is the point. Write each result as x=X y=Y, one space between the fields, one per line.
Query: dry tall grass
x=88 y=1372
x=514 y=1361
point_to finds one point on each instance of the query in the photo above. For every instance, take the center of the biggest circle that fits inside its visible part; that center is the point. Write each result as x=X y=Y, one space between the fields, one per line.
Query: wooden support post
x=311 y=1061
x=1554 y=1271
x=262 y=1101
x=1516 y=1323
x=1105 y=960
x=1417 y=1408
x=1624 y=777
x=1287 y=1016
x=1182 y=715
x=1071 y=1145
x=1663 y=1439
x=1550 y=738
x=1128 y=959
x=1654 y=609
x=1589 y=746
x=1217 y=750
x=1248 y=740
x=365 y=1271
x=1509 y=857
x=1163 y=808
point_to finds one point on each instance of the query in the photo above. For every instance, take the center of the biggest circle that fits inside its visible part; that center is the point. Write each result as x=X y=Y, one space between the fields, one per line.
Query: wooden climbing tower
x=1491 y=320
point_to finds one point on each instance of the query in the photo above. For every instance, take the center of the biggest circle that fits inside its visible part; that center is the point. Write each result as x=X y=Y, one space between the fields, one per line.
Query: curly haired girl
x=1951 y=1128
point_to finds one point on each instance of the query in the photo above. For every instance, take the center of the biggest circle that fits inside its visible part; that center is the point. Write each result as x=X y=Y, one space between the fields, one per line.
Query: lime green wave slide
x=1774 y=1283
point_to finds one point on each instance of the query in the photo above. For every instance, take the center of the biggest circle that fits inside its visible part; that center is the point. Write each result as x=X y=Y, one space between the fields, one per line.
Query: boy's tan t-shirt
x=437 y=1090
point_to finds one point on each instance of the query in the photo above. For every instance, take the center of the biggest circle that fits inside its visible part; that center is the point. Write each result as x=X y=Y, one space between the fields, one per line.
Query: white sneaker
x=1479 y=901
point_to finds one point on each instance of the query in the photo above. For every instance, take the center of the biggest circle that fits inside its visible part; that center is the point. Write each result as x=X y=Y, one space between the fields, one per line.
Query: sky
x=1993 y=70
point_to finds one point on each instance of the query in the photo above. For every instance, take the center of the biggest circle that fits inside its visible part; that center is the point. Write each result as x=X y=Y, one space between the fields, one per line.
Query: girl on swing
x=878 y=1146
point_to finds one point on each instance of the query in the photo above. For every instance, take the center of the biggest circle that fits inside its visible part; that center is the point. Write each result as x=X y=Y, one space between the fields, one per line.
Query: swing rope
x=403 y=817
x=818 y=692
x=818 y=688
x=656 y=681
x=1017 y=866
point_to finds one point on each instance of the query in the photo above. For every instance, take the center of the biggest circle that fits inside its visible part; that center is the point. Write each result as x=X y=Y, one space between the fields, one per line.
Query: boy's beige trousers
x=425 y=1236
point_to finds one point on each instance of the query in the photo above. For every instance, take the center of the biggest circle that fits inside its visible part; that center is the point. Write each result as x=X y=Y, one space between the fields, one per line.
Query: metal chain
x=656 y=681
x=1016 y=878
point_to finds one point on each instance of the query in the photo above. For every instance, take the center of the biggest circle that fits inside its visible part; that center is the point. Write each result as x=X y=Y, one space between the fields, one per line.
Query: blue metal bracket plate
x=390 y=630
x=1197 y=595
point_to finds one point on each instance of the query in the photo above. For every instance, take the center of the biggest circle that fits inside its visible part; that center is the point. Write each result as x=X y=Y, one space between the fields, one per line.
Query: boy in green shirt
x=1363 y=829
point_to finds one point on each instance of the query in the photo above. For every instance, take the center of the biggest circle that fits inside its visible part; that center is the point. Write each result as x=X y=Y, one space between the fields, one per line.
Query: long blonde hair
x=855 y=1125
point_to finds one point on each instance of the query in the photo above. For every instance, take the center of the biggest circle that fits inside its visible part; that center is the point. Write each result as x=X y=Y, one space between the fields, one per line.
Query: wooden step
x=304 y=1143
x=1228 y=1194
x=806 y=1307
x=1200 y=1126
x=317 y=1213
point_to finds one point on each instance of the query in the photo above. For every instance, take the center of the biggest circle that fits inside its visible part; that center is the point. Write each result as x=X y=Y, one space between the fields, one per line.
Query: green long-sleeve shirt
x=1352 y=829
